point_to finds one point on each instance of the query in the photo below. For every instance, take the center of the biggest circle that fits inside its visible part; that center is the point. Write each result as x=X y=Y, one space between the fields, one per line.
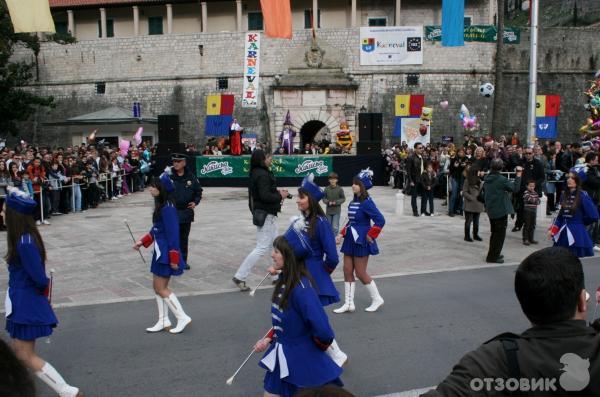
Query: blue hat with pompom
x=297 y=239
x=365 y=176
x=19 y=201
x=165 y=180
x=311 y=187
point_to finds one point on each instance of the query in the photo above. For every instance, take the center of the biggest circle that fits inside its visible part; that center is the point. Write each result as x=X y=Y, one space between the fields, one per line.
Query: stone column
x=169 y=18
x=398 y=8
x=315 y=13
x=71 y=22
x=492 y=11
x=136 y=21
x=103 y=22
x=238 y=8
x=204 y=16
x=353 y=14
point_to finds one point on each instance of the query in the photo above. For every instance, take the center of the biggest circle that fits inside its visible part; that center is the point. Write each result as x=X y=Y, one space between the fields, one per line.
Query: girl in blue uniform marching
x=323 y=257
x=295 y=356
x=359 y=242
x=167 y=260
x=577 y=210
x=29 y=315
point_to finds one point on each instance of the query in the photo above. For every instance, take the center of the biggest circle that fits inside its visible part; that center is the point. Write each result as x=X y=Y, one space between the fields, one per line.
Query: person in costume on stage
x=323 y=257
x=167 y=260
x=29 y=315
x=235 y=138
x=577 y=210
x=359 y=242
x=296 y=345
x=286 y=137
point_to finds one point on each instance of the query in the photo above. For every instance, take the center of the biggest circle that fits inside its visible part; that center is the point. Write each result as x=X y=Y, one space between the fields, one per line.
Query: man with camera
x=558 y=355
x=264 y=200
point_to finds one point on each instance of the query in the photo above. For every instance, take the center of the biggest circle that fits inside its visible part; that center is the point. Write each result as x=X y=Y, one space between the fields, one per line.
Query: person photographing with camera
x=264 y=200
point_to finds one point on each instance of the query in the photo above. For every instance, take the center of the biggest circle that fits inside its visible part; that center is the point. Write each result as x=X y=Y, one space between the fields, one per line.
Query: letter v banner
x=251 y=70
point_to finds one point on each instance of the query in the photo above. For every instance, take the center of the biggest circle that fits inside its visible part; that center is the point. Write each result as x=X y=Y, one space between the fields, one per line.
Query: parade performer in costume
x=323 y=257
x=301 y=333
x=29 y=315
x=167 y=260
x=235 y=138
x=286 y=138
x=359 y=242
x=577 y=210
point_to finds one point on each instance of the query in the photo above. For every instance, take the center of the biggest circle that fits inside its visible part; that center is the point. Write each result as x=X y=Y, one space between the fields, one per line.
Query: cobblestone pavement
x=94 y=262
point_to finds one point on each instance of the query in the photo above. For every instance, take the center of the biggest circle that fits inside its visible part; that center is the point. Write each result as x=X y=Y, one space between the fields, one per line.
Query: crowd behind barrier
x=75 y=178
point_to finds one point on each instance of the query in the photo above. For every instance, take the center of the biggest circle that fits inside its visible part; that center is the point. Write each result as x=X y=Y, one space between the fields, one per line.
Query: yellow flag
x=402 y=105
x=213 y=105
x=540 y=106
x=29 y=16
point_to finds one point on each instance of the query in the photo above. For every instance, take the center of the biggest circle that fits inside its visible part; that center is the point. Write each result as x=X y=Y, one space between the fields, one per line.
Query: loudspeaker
x=370 y=127
x=168 y=128
x=368 y=147
x=167 y=149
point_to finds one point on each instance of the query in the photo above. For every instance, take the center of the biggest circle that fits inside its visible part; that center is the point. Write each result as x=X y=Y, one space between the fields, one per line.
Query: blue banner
x=218 y=125
x=546 y=127
x=453 y=23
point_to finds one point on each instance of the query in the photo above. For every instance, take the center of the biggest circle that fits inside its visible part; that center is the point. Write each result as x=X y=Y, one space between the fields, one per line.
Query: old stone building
x=170 y=55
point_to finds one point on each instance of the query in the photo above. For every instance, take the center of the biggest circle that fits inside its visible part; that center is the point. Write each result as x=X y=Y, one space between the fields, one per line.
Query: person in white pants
x=265 y=203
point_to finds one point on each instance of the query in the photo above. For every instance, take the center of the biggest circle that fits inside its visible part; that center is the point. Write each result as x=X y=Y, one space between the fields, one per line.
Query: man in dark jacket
x=533 y=169
x=559 y=353
x=499 y=206
x=415 y=165
x=187 y=195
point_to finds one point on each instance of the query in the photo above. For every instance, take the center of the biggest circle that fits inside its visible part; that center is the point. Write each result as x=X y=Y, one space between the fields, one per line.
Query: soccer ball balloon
x=486 y=90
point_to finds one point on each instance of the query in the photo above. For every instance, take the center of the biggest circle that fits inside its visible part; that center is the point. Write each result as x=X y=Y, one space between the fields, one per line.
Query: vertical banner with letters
x=251 y=70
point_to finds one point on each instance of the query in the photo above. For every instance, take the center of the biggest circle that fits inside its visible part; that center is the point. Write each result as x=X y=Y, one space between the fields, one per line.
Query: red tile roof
x=82 y=3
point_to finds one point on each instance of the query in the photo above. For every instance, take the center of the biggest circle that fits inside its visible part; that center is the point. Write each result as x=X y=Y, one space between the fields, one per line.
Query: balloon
x=486 y=90
x=138 y=136
x=124 y=147
x=423 y=129
x=595 y=101
x=444 y=104
x=464 y=110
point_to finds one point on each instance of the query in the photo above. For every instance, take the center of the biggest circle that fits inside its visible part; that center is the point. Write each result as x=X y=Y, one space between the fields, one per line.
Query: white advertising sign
x=391 y=45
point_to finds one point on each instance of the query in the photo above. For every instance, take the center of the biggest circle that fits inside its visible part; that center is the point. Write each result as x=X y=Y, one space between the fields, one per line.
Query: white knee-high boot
x=182 y=319
x=376 y=299
x=348 y=305
x=52 y=378
x=163 y=322
x=336 y=354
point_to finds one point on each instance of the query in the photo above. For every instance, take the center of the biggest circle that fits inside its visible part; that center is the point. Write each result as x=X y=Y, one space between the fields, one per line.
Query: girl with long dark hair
x=265 y=198
x=577 y=210
x=301 y=332
x=359 y=242
x=323 y=258
x=29 y=315
x=167 y=260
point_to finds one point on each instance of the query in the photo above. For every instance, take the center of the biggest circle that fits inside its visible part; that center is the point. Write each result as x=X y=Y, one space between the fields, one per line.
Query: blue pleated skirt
x=164 y=270
x=349 y=247
x=26 y=331
x=275 y=385
x=328 y=299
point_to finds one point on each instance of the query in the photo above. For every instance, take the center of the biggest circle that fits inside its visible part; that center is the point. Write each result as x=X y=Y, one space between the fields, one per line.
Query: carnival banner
x=282 y=166
x=251 y=70
x=393 y=45
x=481 y=33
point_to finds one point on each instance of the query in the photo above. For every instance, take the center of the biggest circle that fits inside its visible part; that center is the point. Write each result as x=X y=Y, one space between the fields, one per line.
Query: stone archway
x=309 y=131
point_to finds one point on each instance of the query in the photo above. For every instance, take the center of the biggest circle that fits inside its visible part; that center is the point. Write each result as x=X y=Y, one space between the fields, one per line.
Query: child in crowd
x=27 y=184
x=428 y=182
x=530 y=200
x=334 y=198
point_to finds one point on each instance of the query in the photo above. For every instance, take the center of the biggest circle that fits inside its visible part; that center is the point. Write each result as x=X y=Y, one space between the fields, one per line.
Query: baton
x=133 y=238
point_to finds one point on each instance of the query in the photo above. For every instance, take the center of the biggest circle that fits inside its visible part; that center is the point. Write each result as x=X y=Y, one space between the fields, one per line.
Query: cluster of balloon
x=469 y=122
x=592 y=124
x=425 y=122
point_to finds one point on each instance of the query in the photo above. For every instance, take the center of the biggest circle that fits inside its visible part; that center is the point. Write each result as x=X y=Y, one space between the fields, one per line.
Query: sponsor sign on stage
x=282 y=166
x=393 y=45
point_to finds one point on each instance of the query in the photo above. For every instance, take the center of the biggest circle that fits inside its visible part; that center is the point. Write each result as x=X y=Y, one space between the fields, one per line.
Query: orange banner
x=277 y=16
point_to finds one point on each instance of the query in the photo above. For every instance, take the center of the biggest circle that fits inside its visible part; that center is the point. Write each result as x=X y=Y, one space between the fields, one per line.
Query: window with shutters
x=307 y=15
x=378 y=21
x=255 y=20
x=155 y=25
x=110 y=28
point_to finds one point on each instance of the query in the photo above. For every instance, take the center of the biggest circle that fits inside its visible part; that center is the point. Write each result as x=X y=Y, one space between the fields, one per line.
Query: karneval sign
x=483 y=33
x=282 y=166
x=251 y=70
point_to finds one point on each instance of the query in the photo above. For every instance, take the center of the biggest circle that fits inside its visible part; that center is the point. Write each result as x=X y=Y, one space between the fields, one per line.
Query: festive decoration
x=344 y=135
x=469 y=122
x=547 y=108
x=137 y=138
x=486 y=90
x=444 y=105
x=592 y=124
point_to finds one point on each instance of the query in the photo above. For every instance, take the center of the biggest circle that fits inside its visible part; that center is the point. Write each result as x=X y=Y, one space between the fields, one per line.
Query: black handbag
x=481 y=195
x=259 y=216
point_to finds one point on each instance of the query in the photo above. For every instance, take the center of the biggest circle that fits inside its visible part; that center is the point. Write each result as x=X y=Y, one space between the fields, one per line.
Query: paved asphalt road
x=427 y=323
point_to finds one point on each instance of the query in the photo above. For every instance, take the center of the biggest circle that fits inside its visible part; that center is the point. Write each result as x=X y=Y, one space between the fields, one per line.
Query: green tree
x=17 y=103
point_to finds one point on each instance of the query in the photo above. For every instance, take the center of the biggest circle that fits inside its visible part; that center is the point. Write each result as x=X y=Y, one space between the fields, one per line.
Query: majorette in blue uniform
x=569 y=227
x=322 y=258
x=300 y=336
x=29 y=315
x=165 y=236
x=364 y=219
